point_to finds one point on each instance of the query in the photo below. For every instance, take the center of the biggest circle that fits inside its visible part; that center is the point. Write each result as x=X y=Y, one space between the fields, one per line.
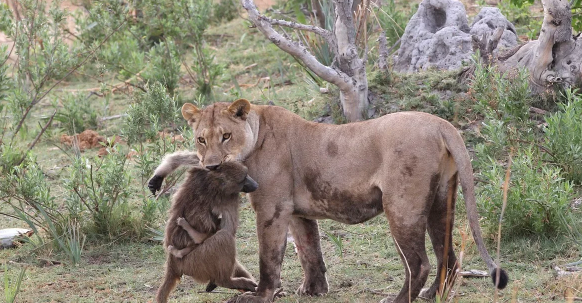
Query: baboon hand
x=182 y=222
x=155 y=183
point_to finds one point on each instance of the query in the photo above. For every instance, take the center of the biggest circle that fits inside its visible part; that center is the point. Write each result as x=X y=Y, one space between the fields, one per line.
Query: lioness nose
x=212 y=167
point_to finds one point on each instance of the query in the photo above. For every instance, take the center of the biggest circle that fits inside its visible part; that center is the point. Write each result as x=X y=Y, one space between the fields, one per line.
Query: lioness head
x=222 y=131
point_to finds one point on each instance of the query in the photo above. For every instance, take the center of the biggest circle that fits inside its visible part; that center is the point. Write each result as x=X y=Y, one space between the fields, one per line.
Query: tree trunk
x=554 y=59
x=349 y=72
x=354 y=97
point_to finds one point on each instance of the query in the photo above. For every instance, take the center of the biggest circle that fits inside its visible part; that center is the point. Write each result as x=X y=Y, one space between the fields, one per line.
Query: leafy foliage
x=76 y=114
x=393 y=19
x=152 y=112
x=538 y=196
x=102 y=188
x=563 y=136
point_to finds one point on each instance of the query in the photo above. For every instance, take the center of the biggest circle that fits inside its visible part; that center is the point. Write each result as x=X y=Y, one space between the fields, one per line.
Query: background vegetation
x=122 y=70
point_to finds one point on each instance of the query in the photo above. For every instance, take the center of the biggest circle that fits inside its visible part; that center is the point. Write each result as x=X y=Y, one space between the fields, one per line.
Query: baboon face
x=233 y=178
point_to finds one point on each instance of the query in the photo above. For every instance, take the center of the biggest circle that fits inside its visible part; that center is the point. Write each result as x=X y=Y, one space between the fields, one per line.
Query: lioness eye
x=225 y=137
x=201 y=140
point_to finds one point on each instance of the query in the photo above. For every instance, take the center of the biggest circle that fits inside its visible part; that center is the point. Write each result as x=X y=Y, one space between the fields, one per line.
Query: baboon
x=200 y=233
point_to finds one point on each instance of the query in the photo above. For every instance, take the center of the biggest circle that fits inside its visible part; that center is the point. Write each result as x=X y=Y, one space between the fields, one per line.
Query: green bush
x=101 y=188
x=519 y=13
x=164 y=66
x=153 y=111
x=224 y=10
x=538 y=197
x=76 y=114
x=563 y=136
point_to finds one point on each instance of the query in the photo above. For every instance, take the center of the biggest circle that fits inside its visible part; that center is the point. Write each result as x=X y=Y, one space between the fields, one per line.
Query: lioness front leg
x=306 y=235
x=196 y=236
x=272 y=225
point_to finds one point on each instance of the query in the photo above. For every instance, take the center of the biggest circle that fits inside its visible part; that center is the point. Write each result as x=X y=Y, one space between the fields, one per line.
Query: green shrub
x=224 y=10
x=563 y=136
x=101 y=188
x=164 y=66
x=519 y=13
x=152 y=111
x=537 y=197
x=501 y=98
x=76 y=114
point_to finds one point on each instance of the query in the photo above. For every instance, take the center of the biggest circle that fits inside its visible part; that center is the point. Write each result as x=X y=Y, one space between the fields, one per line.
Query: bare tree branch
x=326 y=34
x=328 y=74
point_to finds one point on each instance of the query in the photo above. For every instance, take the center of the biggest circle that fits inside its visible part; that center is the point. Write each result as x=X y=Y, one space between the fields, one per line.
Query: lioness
x=404 y=164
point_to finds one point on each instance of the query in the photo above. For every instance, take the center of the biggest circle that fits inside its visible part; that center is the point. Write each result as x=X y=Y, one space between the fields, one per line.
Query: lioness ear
x=240 y=108
x=190 y=112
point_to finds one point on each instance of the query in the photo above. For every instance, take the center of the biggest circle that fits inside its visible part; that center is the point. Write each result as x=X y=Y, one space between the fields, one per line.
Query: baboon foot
x=175 y=252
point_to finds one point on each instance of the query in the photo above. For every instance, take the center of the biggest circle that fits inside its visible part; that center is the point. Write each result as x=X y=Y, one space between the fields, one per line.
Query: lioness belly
x=320 y=199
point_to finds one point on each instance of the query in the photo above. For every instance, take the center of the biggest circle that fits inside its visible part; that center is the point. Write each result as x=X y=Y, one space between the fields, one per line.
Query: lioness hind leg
x=306 y=235
x=440 y=230
x=409 y=234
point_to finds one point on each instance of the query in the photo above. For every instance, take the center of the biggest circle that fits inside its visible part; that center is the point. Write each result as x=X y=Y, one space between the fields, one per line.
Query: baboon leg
x=170 y=281
x=440 y=231
x=196 y=236
x=306 y=235
x=179 y=253
x=240 y=271
x=238 y=283
x=408 y=227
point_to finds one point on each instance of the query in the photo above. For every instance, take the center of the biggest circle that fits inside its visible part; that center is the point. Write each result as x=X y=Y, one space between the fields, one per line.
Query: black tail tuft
x=503 y=278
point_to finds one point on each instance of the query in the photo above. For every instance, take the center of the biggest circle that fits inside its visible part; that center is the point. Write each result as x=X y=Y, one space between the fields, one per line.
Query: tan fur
x=193 y=218
x=405 y=165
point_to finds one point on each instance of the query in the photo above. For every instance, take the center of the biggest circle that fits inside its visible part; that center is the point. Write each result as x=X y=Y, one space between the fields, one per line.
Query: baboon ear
x=240 y=108
x=190 y=112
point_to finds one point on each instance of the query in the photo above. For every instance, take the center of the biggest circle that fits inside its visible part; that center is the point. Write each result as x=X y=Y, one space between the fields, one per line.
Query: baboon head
x=232 y=178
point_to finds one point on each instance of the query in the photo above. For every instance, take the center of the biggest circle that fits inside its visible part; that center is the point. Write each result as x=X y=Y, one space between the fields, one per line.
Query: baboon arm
x=196 y=236
x=172 y=161
x=169 y=164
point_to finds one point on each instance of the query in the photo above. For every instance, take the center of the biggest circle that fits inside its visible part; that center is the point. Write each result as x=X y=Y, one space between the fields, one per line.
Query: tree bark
x=554 y=59
x=350 y=73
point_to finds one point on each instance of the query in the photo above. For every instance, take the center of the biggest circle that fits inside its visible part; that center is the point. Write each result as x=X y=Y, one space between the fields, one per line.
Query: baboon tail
x=170 y=281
